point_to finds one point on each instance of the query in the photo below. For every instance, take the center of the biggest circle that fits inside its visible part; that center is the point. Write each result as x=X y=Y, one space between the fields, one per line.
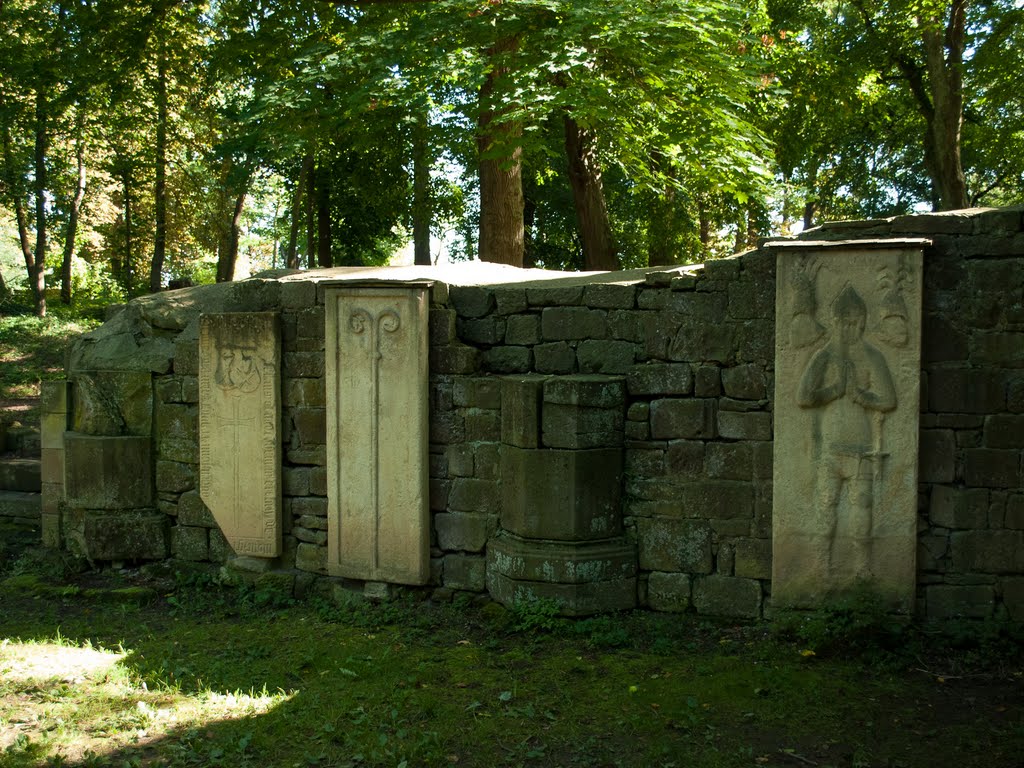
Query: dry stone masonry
x=682 y=439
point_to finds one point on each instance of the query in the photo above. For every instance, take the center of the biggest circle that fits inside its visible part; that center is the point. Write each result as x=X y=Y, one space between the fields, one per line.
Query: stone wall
x=653 y=388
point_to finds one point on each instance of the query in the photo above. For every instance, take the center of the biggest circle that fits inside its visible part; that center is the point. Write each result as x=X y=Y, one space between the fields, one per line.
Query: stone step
x=20 y=509
x=20 y=440
x=20 y=475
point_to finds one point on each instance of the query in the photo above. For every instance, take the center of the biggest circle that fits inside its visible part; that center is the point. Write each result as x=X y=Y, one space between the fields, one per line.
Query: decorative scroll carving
x=377 y=433
x=846 y=400
x=239 y=428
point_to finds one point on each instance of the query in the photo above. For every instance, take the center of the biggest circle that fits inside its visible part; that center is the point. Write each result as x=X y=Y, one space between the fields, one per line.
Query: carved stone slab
x=847 y=380
x=377 y=432
x=240 y=428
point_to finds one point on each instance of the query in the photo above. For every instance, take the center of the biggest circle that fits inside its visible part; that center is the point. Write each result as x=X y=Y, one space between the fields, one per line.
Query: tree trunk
x=229 y=253
x=323 y=216
x=421 y=213
x=501 y=176
x=310 y=170
x=704 y=221
x=37 y=275
x=13 y=181
x=72 y=228
x=160 y=187
x=588 y=198
x=126 y=180
x=944 y=63
x=291 y=255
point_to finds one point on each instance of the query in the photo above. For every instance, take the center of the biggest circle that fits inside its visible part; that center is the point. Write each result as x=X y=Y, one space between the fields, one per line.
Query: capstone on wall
x=689 y=352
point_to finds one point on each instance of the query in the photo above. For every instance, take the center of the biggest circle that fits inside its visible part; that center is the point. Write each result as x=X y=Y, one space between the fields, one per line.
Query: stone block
x=483 y=425
x=704 y=341
x=645 y=462
x=573 y=599
x=958 y=508
x=295 y=481
x=108 y=472
x=946 y=601
x=744 y=382
x=639 y=411
x=304 y=393
x=193 y=512
x=486 y=331
x=660 y=379
x=580 y=427
x=992 y=468
x=124 y=536
x=473 y=495
x=988 y=551
x=717 y=499
x=682 y=418
x=507 y=359
x=669 y=592
x=573 y=323
x=297 y=294
x=561 y=495
x=220 y=549
x=310 y=557
x=684 y=459
x=727 y=596
x=937 y=456
x=174 y=477
x=752 y=558
x=464 y=532
x=555 y=296
x=586 y=390
x=454 y=359
x=308 y=425
x=472 y=300
x=52 y=427
x=674 y=545
x=1003 y=349
x=510 y=301
x=556 y=357
x=1004 y=430
x=465 y=572
x=608 y=356
x=483 y=392
x=626 y=325
x=609 y=296
x=1014 y=511
x=523 y=330
x=561 y=563
x=442 y=326
x=447 y=428
x=735 y=425
x=966 y=391
x=190 y=543
x=460 y=460
x=521 y=399
x=303 y=365
x=730 y=461
x=1013 y=598
x=113 y=403
x=707 y=381
x=54 y=396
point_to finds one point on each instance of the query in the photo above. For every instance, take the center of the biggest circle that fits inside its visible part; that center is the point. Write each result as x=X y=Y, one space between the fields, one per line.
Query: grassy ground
x=130 y=671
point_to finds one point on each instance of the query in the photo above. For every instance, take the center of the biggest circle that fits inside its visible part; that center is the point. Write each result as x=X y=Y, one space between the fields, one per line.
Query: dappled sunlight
x=83 y=703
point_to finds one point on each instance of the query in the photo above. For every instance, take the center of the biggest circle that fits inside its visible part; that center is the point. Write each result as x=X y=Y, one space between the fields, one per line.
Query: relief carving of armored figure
x=849 y=385
x=238 y=368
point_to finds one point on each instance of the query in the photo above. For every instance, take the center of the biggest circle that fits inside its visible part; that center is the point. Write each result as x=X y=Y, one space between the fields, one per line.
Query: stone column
x=53 y=425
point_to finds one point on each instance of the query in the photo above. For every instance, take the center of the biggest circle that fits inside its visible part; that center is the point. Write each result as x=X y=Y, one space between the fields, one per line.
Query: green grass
x=214 y=675
x=32 y=348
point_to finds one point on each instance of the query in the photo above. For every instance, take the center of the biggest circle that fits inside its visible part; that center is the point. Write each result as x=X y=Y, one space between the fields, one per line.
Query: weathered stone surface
x=108 y=472
x=377 y=428
x=580 y=427
x=310 y=557
x=609 y=296
x=561 y=563
x=472 y=301
x=507 y=359
x=473 y=495
x=464 y=532
x=958 y=508
x=113 y=402
x=682 y=418
x=660 y=379
x=744 y=382
x=561 y=495
x=586 y=390
x=737 y=425
x=992 y=468
x=240 y=428
x=174 y=477
x=487 y=331
x=193 y=512
x=669 y=592
x=121 y=536
x=465 y=572
x=730 y=461
x=752 y=558
x=573 y=599
x=190 y=543
x=727 y=596
x=946 y=601
x=556 y=357
x=1013 y=598
x=675 y=545
x=936 y=462
x=523 y=330
x=847 y=370
x=521 y=399
x=987 y=551
x=454 y=359
x=607 y=356
x=573 y=323
x=1004 y=430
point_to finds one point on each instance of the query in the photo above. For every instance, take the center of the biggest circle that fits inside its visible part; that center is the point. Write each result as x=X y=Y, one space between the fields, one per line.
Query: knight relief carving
x=847 y=390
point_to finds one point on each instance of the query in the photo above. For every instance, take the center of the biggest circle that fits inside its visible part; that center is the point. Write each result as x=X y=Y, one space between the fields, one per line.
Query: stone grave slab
x=847 y=381
x=377 y=432
x=240 y=428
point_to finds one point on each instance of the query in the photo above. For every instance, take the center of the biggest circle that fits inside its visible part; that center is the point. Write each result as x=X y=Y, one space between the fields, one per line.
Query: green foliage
x=537 y=615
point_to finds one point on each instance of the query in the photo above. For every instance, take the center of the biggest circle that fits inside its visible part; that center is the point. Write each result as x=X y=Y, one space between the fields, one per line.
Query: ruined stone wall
x=662 y=381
